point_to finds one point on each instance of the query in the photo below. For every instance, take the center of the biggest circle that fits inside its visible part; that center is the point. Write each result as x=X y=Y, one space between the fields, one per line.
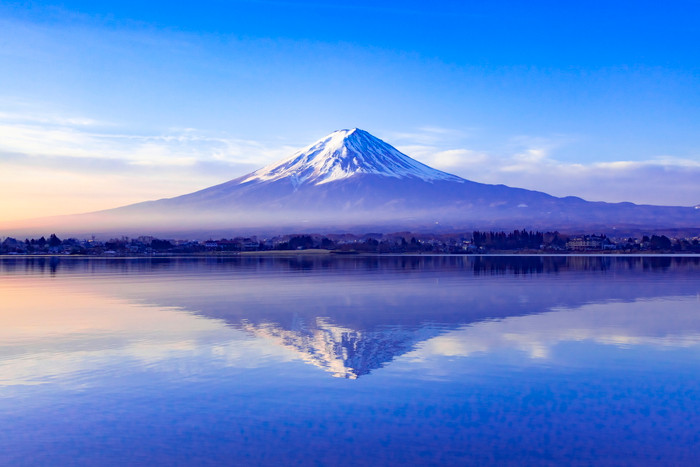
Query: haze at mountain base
x=351 y=180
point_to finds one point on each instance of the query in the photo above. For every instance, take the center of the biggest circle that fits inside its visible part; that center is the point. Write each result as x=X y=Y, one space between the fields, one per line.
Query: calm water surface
x=350 y=361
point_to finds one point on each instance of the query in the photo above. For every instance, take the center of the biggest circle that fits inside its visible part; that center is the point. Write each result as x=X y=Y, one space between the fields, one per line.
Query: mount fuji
x=351 y=179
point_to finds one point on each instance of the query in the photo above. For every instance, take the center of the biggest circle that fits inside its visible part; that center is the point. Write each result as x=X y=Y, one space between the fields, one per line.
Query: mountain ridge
x=351 y=180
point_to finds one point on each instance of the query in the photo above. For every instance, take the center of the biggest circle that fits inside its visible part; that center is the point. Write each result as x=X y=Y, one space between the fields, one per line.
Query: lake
x=391 y=360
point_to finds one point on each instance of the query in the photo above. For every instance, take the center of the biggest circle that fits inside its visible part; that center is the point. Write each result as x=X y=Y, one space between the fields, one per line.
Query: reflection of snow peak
x=341 y=351
x=345 y=153
x=348 y=353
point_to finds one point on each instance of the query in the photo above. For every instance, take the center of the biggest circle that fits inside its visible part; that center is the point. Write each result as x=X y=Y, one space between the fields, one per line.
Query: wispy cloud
x=57 y=164
x=541 y=336
x=83 y=142
x=26 y=117
x=60 y=165
x=531 y=162
x=428 y=135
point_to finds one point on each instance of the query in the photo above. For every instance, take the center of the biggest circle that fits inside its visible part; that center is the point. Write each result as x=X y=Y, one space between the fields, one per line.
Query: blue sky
x=107 y=103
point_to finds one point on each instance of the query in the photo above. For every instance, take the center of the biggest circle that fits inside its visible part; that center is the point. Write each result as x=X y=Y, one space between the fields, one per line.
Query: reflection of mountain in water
x=346 y=353
x=353 y=315
x=447 y=264
x=476 y=264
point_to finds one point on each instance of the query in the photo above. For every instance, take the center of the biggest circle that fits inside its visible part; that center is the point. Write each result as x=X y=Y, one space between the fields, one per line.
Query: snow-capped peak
x=343 y=154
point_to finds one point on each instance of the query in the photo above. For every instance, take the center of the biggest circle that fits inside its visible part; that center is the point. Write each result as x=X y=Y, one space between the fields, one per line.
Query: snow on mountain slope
x=350 y=179
x=353 y=178
x=343 y=154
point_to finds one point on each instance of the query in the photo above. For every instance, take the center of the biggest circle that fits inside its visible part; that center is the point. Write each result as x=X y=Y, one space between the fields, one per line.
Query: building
x=587 y=243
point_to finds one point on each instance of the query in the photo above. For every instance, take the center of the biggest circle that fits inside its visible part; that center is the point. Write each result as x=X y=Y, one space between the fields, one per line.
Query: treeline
x=115 y=246
x=399 y=242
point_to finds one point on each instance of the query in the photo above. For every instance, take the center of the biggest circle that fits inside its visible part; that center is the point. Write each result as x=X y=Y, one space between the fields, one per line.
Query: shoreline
x=332 y=253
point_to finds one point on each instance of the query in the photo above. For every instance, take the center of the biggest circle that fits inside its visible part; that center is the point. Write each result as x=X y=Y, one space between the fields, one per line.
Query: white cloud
x=455 y=158
x=80 y=140
x=653 y=181
x=429 y=135
x=531 y=163
x=86 y=164
x=48 y=119
x=55 y=165
x=43 y=339
x=620 y=324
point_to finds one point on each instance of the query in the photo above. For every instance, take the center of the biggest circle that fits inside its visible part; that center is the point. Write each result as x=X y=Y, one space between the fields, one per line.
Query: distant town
x=518 y=241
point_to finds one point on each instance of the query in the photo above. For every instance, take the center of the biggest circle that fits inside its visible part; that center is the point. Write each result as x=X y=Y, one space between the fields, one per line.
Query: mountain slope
x=351 y=179
x=343 y=154
x=350 y=170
